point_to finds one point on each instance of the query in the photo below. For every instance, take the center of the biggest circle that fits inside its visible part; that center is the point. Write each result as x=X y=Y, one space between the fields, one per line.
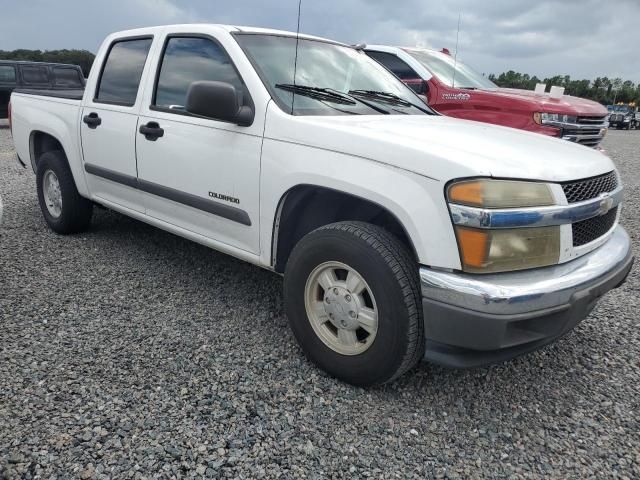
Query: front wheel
x=353 y=301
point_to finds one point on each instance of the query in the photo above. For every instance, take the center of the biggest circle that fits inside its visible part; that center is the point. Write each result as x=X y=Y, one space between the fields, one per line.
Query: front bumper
x=474 y=320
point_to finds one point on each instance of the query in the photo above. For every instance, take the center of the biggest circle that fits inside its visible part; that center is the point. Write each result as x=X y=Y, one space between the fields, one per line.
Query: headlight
x=490 y=251
x=501 y=250
x=488 y=193
x=553 y=118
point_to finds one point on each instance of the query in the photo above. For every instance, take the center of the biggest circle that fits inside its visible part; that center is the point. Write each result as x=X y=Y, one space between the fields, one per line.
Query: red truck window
x=393 y=63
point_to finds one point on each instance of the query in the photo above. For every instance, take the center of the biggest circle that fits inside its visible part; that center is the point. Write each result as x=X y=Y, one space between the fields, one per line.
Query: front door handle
x=92 y=120
x=151 y=131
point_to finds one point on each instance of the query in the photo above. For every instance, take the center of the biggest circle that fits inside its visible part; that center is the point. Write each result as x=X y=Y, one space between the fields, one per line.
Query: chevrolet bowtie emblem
x=605 y=205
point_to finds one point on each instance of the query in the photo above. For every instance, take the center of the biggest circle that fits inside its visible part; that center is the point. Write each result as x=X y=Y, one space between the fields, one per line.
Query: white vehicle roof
x=213 y=27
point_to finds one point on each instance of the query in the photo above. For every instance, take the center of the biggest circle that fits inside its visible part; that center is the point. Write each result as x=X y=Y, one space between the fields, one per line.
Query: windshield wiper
x=384 y=96
x=317 y=93
x=388 y=97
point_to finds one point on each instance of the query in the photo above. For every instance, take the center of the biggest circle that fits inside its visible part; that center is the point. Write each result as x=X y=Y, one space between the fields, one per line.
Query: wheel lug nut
x=347 y=298
x=327 y=300
x=335 y=291
x=352 y=314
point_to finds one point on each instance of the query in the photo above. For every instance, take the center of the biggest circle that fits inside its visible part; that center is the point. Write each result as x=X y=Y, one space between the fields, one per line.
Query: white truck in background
x=401 y=234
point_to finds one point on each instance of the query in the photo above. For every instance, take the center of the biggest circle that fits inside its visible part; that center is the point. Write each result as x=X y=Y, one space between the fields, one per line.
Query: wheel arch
x=305 y=207
x=41 y=142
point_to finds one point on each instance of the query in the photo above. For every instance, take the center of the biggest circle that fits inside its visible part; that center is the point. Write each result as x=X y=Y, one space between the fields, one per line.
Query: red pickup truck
x=454 y=89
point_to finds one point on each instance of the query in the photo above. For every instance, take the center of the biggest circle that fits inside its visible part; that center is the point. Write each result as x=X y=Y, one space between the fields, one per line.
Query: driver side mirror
x=418 y=85
x=218 y=101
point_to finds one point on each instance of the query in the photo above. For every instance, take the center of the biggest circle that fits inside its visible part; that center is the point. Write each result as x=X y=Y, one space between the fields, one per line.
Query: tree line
x=603 y=89
x=82 y=58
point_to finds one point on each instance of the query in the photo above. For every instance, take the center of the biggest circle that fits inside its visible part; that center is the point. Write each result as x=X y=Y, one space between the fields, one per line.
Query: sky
x=580 y=38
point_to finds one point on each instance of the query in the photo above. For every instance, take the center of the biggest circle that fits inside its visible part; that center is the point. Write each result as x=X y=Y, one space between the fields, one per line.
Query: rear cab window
x=35 y=75
x=8 y=74
x=122 y=70
x=66 y=77
x=187 y=59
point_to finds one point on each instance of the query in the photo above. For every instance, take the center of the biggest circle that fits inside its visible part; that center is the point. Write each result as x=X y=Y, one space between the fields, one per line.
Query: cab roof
x=215 y=26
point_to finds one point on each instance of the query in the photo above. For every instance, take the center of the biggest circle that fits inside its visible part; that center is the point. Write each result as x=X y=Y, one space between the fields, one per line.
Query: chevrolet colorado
x=401 y=234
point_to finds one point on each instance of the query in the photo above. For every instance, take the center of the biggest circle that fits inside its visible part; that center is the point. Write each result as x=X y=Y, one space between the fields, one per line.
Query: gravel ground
x=129 y=352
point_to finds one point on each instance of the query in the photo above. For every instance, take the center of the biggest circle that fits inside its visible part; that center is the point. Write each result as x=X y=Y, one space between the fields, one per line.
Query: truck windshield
x=330 y=79
x=442 y=66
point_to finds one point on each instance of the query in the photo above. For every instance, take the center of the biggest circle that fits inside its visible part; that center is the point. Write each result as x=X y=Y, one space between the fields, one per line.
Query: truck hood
x=566 y=104
x=443 y=148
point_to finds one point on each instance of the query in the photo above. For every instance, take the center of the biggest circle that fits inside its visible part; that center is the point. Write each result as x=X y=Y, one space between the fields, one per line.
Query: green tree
x=601 y=89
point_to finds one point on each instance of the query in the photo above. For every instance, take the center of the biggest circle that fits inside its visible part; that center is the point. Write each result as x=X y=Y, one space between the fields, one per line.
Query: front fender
x=416 y=201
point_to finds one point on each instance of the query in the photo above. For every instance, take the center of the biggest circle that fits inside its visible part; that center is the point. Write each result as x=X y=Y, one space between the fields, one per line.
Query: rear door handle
x=92 y=120
x=151 y=131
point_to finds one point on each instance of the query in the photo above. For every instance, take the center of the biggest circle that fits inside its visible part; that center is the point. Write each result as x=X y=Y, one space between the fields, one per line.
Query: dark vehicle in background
x=27 y=75
x=624 y=116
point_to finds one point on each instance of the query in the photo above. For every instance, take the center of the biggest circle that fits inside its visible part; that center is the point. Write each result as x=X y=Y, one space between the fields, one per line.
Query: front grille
x=592 y=120
x=593 y=228
x=587 y=131
x=589 y=188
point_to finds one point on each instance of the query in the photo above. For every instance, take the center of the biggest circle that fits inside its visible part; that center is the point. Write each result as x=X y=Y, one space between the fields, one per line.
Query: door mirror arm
x=245 y=115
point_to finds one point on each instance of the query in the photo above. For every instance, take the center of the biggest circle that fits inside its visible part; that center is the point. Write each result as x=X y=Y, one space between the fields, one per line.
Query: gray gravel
x=129 y=352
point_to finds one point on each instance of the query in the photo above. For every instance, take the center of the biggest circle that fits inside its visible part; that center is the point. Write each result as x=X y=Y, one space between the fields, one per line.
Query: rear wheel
x=64 y=210
x=353 y=301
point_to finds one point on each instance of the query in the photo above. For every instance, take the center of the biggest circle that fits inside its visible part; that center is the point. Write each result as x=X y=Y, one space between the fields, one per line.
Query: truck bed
x=56 y=112
x=73 y=94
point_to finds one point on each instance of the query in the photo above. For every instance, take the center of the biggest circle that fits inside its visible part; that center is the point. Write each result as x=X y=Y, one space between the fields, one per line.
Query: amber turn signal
x=473 y=246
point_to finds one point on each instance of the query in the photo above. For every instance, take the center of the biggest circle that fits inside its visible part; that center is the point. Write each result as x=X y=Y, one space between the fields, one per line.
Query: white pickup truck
x=401 y=234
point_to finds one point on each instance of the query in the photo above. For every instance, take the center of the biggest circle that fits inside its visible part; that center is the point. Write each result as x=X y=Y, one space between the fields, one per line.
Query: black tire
x=392 y=275
x=76 y=211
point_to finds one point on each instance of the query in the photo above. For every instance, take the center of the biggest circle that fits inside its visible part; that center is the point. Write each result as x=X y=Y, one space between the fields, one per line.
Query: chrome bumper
x=510 y=313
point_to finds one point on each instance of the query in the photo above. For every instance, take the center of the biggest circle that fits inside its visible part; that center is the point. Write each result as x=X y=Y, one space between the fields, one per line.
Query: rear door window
x=66 y=77
x=35 y=75
x=8 y=74
x=122 y=72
